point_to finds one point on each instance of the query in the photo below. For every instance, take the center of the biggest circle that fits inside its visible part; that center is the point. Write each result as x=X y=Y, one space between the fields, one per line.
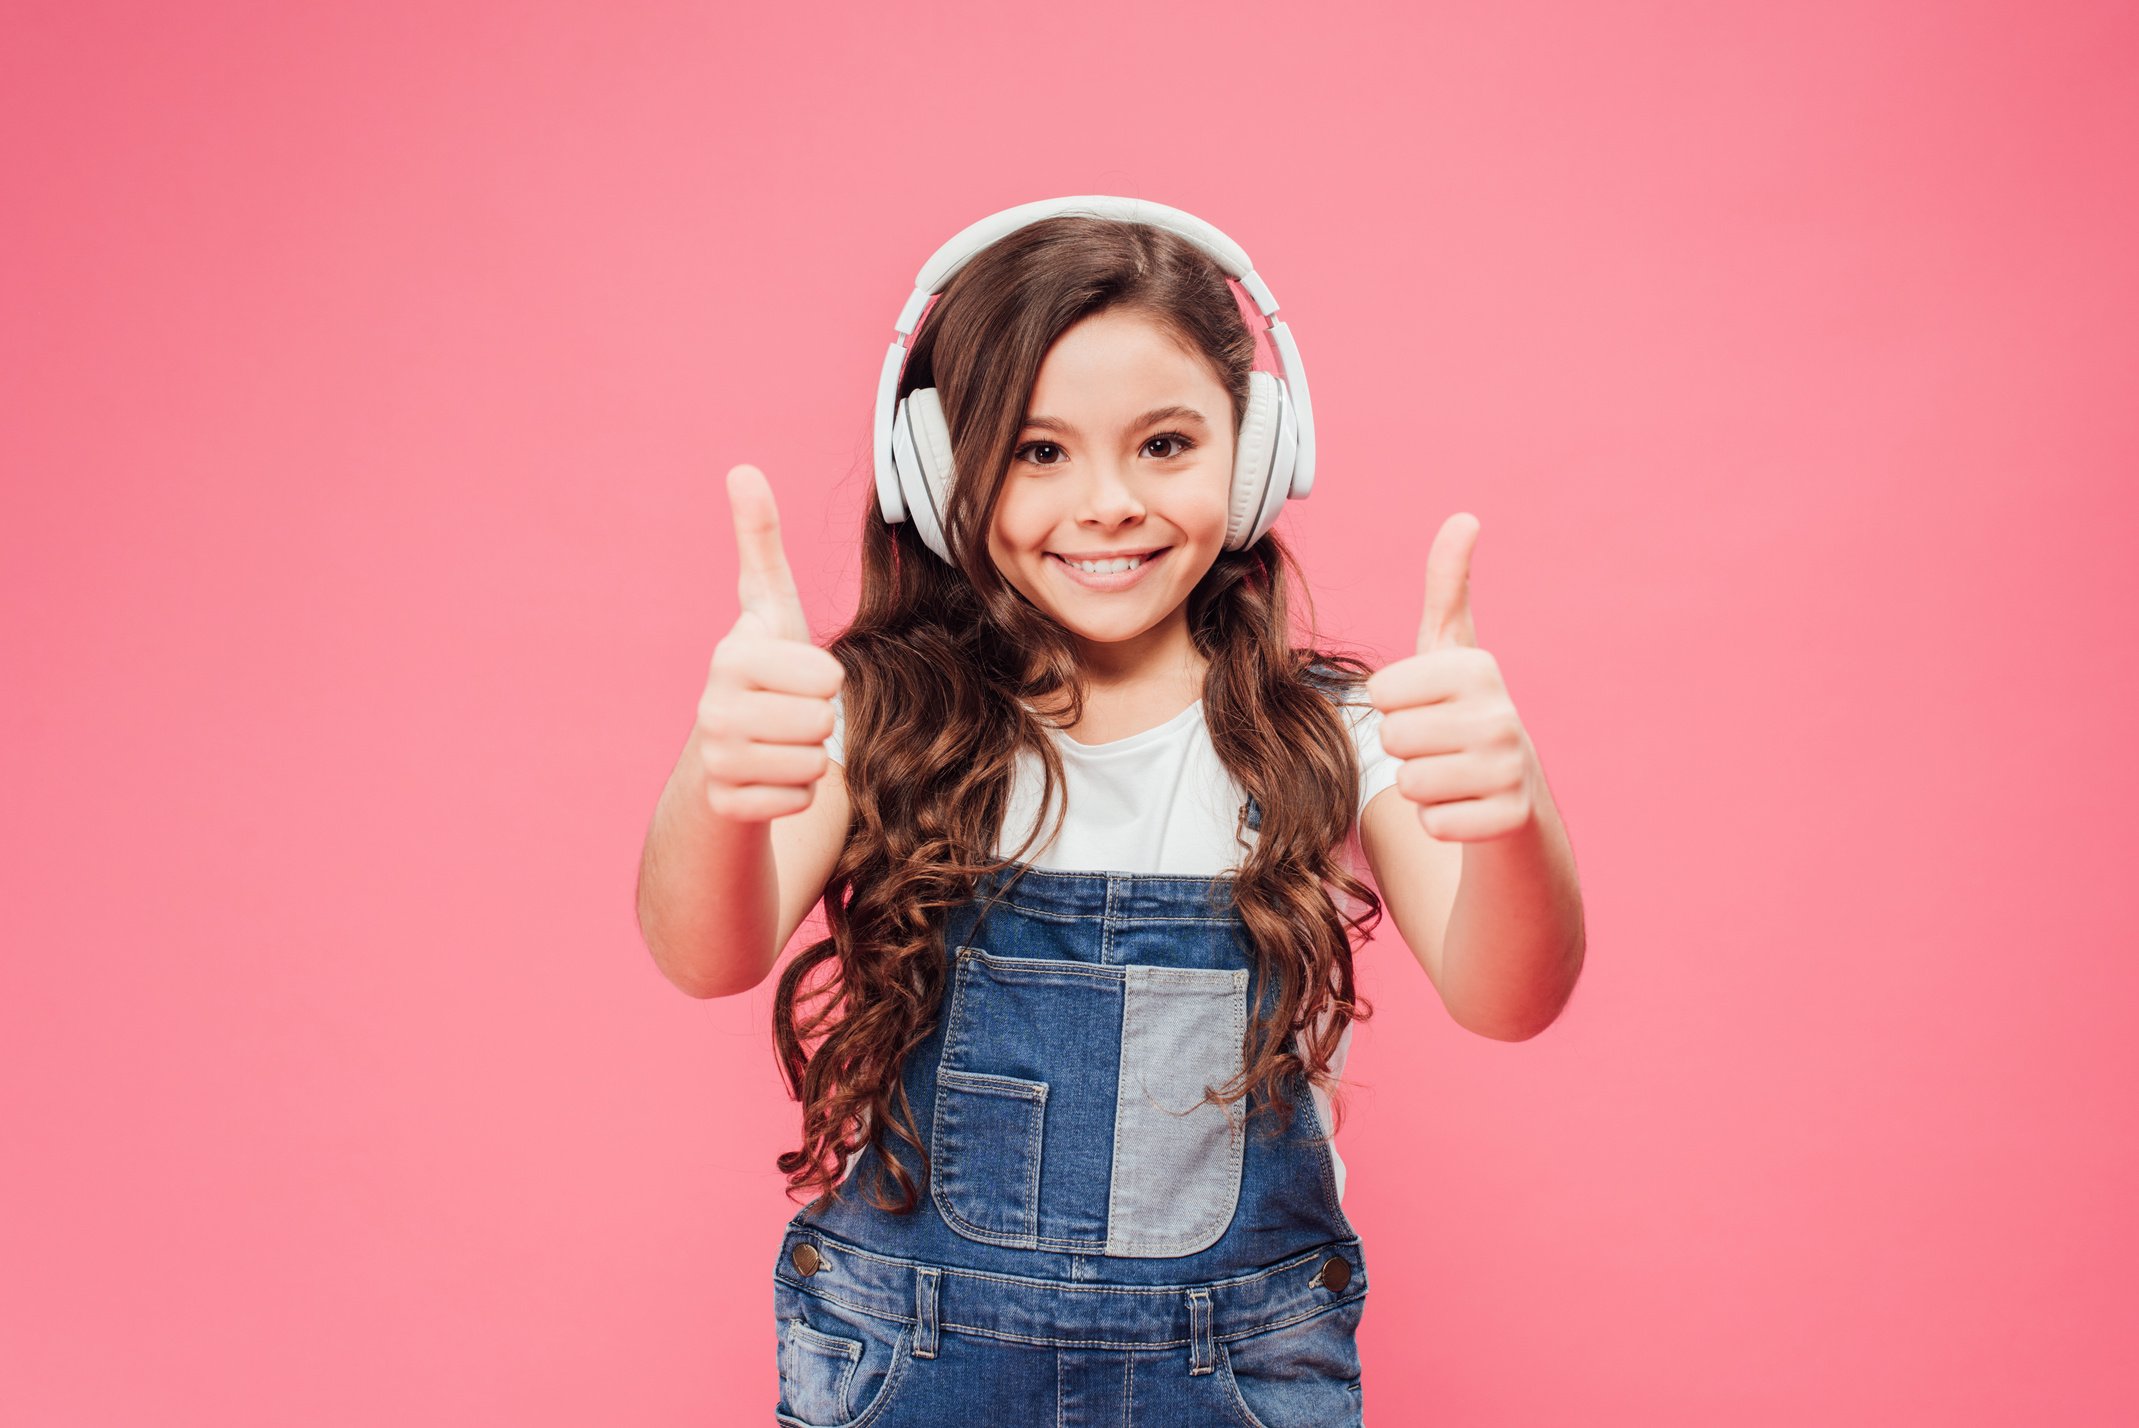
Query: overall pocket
x=835 y=1371
x=986 y=1150
x=1069 y=1105
x=1177 y=1157
x=1304 y=1375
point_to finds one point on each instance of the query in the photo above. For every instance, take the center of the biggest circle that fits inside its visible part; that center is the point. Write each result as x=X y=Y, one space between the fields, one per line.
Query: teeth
x=1107 y=567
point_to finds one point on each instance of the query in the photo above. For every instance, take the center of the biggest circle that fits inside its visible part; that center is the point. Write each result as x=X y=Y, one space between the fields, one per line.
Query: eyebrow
x=1150 y=418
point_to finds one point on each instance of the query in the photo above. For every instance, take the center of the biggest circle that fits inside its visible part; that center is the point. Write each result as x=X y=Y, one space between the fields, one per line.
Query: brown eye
x=1182 y=442
x=1020 y=453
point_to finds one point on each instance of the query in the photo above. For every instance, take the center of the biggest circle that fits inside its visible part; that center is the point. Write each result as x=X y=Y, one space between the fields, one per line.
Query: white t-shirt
x=1160 y=802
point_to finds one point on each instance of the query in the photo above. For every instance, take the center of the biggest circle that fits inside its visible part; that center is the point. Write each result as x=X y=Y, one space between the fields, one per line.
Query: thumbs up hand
x=767 y=706
x=1468 y=762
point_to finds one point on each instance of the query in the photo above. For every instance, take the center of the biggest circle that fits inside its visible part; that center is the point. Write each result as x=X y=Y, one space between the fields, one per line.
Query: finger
x=1414 y=680
x=763 y=716
x=784 y=666
x=1446 y=620
x=1442 y=780
x=1422 y=730
x=1469 y=820
x=758 y=802
x=764 y=581
x=746 y=765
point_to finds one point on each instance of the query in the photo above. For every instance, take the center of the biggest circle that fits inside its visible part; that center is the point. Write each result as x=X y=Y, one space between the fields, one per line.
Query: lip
x=1116 y=580
x=1108 y=554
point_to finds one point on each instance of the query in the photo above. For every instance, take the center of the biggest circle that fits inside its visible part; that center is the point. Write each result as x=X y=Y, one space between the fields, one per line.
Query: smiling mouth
x=1136 y=562
x=1109 y=581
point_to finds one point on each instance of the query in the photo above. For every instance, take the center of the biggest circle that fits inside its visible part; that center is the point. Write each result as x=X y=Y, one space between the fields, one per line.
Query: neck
x=1163 y=655
x=1163 y=663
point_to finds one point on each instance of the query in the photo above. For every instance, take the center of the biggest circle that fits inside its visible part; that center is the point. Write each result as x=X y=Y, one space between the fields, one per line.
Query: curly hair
x=942 y=662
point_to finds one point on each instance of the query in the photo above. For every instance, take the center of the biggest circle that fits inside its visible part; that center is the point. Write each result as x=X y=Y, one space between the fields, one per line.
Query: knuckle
x=732 y=655
x=716 y=716
x=716 y=760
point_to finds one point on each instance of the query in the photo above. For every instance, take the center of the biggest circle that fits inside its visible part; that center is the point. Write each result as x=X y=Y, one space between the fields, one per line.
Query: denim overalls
x=1093 y=1246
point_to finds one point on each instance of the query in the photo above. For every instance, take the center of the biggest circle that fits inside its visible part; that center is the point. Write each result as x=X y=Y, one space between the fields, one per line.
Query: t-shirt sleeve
x=1377 y=770
x=836 y=746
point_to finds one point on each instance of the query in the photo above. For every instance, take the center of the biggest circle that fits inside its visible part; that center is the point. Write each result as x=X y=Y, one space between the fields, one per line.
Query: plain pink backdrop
x=369 y=377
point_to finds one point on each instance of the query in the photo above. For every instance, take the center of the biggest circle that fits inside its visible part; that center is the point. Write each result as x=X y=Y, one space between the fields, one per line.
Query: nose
x=1109 y=498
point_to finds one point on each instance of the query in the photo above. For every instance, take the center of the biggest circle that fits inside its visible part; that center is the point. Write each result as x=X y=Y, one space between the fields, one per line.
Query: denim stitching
x=1036 y=1124
x=1202 y=1352
x=1072 y=875
x=1199 y=1236
x=1232 y=1392
x=926 y=1327
x=1041 y=969
x=1107 y=922
x=946 y=1077
x=1040 y=1341
x=1018 y=1281
x=846 y=1350
x=1232 y=1385
x=1070 y=919
x=1325 y=1142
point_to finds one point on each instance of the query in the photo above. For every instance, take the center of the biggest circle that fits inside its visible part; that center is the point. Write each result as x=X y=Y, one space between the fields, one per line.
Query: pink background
x=370 y=375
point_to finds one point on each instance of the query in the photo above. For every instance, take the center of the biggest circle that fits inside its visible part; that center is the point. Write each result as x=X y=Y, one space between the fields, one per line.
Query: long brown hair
x=942 y=661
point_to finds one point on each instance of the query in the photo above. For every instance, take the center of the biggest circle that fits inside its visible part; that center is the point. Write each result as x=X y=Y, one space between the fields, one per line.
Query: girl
x=1067 y=1055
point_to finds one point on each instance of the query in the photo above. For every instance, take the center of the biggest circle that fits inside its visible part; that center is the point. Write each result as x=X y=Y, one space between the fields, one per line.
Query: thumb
x=765 y=584
x=1447 y=619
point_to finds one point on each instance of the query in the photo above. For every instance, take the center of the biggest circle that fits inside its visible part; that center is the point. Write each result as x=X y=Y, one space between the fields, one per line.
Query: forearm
x=708 y=895
x=1515 y=938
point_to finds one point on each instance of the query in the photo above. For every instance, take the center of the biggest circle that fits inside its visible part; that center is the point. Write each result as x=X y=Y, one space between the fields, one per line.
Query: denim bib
x=1096 y=1244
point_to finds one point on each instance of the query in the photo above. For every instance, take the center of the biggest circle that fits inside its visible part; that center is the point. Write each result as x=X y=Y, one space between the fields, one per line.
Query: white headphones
x=1274 y=456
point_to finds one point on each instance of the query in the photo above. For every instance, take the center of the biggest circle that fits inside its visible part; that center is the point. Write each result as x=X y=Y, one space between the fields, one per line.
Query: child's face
x=1091 y=475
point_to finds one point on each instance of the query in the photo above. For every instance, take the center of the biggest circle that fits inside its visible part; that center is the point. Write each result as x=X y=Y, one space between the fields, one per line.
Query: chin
x=1103 y=637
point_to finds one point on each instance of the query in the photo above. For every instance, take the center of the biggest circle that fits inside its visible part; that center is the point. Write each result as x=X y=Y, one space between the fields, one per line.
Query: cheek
x=1012 y=547
x=1214 y=490
x=1018 y=529
x=1212 y=513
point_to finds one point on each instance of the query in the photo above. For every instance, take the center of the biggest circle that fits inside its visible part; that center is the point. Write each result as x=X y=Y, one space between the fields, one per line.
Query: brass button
x=805 y=1257
x=1336 y=1273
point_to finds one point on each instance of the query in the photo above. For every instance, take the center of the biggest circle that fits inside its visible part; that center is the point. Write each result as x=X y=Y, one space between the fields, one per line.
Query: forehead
x=1108 y=368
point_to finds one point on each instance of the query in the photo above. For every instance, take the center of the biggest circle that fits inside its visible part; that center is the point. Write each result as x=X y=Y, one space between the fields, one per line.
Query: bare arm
x=1472 y=857
x=1497 y=925
x=720 y=899
x=747 y=827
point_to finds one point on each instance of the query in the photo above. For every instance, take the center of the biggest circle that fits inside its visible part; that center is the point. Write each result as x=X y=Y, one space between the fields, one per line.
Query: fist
x=1468 y=762
x=767 y=706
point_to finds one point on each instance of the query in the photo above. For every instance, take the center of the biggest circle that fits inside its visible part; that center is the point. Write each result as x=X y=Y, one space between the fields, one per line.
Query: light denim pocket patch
x=1176 y=1179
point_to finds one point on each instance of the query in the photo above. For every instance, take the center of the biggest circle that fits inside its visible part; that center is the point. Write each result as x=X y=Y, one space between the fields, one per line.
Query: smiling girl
x=1067 y=1057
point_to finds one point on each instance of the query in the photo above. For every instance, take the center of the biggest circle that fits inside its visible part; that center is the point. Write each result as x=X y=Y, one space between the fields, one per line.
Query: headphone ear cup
x=921 y=448
x=1284 y=465
x=1254 y=452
